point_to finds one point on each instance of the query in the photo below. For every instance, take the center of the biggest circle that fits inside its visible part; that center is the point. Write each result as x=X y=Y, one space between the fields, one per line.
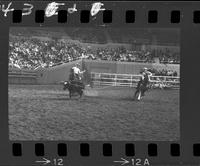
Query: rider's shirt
x=146 y=75
x=145 y=78
x=76 y=70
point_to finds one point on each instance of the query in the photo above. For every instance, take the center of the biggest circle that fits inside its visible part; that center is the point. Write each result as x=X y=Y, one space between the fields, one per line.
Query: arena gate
x=110 y=79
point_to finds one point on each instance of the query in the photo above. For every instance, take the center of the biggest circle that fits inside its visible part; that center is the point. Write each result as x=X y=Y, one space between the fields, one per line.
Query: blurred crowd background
x=28 y=50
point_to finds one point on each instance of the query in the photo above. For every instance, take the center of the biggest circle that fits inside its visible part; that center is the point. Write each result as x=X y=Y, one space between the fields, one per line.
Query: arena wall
x=56 y=74
x=22 y=80
x=60 y=73
x=18 y=76
x=125 y=67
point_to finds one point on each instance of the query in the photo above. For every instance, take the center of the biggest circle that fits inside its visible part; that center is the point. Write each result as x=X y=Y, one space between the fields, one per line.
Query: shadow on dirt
x=63 y=98
x=112 y=98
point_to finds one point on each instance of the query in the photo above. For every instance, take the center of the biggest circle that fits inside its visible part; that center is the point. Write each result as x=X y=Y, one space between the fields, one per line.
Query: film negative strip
x=99 y=83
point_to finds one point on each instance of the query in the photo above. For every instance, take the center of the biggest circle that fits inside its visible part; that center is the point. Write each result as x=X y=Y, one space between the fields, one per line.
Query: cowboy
x=77 y=71
x=146 y=73
x=145 y=79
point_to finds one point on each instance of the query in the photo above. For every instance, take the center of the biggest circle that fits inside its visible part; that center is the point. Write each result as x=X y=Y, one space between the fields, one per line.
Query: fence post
x=165 y=79
x=131 y=81
x=100 y=79
x=115 y=80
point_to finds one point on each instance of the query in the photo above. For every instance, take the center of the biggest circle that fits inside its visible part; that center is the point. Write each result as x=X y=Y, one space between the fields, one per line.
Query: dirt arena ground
x=45 y=112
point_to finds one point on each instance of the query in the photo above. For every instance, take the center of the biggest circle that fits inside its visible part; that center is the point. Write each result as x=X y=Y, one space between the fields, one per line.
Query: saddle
x=77 y=83
x=74 y=80
x=142 y=84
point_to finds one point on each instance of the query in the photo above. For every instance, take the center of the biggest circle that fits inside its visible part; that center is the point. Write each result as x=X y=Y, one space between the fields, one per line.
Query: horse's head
x=65 y=85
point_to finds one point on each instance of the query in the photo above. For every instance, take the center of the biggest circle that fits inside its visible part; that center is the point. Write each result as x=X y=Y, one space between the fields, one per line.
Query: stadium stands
x=29 y=53
x=30 y=48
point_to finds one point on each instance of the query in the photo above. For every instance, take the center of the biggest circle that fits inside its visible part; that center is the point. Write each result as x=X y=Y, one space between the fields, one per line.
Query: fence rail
x=110 y=79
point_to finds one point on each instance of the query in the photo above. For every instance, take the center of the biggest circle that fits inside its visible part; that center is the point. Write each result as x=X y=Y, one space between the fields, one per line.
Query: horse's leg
x=81 y=93
x=139 y=95
x=142 y=92
x=136 y=92
x=145 y=90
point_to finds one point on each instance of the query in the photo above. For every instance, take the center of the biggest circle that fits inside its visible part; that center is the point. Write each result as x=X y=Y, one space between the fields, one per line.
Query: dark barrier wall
x=22 y=80
x=19 y=76
x=60 y=73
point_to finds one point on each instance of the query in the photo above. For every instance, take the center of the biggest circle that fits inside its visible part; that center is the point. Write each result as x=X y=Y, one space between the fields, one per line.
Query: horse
x=141 y=88
x=74 y=87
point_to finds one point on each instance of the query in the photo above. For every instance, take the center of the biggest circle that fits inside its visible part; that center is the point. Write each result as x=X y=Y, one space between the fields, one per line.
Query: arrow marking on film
x=124 y=161
x=44 y=161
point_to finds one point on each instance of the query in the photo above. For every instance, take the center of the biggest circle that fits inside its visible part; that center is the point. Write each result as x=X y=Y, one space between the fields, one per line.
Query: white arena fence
x=131 y=80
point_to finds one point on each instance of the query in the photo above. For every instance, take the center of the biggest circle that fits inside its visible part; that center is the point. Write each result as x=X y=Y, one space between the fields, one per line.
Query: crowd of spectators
x=32 y=52
x=163 y=72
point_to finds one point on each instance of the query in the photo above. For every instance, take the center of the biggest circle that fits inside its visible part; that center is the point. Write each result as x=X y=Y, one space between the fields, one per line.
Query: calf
x=74 y=87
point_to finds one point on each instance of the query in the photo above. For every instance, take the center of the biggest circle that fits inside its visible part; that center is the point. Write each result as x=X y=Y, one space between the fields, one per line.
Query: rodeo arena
x=94 y=84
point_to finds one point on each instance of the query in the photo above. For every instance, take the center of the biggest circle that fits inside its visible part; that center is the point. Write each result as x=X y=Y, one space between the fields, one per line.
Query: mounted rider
x=146 y=75
x=75 y=76
x=77 y=72
x=144 y=81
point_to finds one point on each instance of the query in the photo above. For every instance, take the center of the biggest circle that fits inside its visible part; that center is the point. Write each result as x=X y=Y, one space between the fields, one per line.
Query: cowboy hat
x=145 y=68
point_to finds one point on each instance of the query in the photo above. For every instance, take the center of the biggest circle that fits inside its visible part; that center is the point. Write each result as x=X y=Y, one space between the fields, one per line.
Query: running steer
x=74 y=87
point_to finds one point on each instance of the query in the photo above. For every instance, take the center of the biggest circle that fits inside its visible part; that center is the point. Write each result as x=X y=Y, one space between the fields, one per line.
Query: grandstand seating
x=29 y=48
